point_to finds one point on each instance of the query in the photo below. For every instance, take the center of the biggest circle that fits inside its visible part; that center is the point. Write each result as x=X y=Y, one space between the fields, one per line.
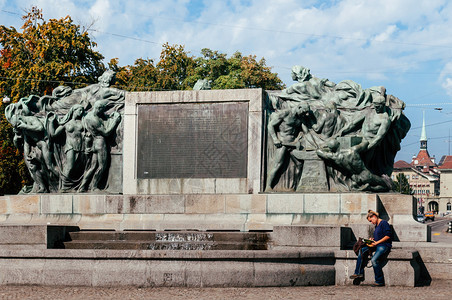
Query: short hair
x=371 y=213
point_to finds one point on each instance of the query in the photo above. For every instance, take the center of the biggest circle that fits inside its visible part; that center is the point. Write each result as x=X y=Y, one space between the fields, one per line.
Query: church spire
x=423 y=138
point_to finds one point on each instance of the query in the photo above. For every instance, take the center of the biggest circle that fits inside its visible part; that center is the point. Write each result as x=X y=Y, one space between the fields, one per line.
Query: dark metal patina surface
x=192 y=140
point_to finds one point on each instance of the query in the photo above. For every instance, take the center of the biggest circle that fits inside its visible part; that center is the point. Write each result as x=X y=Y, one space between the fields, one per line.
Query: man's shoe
x=375 y=284
x=354 y=276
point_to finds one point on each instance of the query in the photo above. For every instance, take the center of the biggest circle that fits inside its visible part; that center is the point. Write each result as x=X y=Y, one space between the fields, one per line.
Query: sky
x=404 y=45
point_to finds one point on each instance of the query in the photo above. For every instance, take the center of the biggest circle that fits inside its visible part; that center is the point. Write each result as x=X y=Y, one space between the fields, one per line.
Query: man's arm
x=325 y=154
x=275 y=120
x=350 y=126
x=364 y=145
x=53 y=130
x=111 y=125
x=384 y=239
x=30 y=124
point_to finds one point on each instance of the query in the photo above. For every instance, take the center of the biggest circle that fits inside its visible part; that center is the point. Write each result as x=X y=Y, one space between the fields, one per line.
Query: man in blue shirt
x=382 y=243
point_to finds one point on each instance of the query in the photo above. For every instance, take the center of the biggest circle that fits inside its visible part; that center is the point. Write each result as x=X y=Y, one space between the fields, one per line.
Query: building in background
x=445 y=199
x=423 y=176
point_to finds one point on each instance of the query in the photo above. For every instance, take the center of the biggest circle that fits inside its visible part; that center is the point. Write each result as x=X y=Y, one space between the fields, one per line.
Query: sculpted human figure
x=306 y=88
x=329 y=121
x=30 y=131
x=285 y=127
x=375 y=123
x=350 y=163
x=99 y=127
x=72 y=125
x=101 y=91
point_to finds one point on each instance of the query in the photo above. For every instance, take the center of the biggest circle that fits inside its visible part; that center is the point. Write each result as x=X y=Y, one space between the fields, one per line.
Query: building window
x=407 y=176
x=412 y=176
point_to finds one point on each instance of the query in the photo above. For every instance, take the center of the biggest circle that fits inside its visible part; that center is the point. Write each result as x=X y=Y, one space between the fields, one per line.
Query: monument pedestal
x=243 y=212
x=313 y=177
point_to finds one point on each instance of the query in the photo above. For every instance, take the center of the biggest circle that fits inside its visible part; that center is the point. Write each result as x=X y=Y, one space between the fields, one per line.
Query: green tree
x=35 y=60
x=174 y=66
x=402 y=185
x=238 y=71
x=177 y=70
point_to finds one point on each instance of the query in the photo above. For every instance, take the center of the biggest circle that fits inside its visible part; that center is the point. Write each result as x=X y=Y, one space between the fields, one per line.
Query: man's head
x=106 y=78
x=379 y=103
x=100 y=106
x=302 y=109
x=372 y=217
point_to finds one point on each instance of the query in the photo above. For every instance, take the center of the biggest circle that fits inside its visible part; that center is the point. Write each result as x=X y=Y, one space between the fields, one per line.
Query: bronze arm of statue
x=275 y=120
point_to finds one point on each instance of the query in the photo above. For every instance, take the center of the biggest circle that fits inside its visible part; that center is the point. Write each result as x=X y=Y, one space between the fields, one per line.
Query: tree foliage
x=177 y=70
x=35 y=60
x=402 y=185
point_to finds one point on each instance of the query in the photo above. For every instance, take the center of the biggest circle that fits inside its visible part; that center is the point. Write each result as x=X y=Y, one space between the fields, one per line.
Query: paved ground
x=439 y=228
x=437 y=290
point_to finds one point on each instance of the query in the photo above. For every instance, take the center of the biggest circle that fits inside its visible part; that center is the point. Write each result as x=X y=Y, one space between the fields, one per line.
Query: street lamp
x=6 y=99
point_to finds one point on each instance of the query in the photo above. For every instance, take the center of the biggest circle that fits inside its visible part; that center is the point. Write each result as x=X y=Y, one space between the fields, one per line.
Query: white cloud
x=446 y=78
x=447 y=85
x=101 y=11
x=384 y=36
x=334 y=38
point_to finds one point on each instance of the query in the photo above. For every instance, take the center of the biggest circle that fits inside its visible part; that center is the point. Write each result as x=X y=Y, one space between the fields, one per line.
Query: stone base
x=401 y=269
x=243 y=212
x=166 y=268
x=312 y=236
x=32 y=236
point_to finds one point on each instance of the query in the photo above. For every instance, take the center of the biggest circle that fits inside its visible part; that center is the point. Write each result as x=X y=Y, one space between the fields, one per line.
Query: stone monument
x=244 y=159
x=332 y=137
x=72 y=138
x=301 y=166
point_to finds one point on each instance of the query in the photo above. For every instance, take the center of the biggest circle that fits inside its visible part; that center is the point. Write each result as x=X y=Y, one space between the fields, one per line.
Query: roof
x=401 y=164
x=423 y=159
x=447 y=163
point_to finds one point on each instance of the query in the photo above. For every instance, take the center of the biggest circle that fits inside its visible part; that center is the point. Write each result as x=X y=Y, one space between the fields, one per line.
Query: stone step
x=171 y=236
x=162 y=245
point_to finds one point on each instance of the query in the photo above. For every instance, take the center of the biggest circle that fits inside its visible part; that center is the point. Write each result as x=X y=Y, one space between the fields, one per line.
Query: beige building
x=445 y=199
x=424 y=175
x=425 y=186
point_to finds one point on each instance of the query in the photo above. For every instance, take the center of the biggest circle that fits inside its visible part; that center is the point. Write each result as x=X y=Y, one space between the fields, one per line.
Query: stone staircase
x=167 y=240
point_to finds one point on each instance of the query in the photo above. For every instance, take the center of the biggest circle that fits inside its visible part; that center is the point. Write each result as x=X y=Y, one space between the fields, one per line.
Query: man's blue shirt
x=381 y=230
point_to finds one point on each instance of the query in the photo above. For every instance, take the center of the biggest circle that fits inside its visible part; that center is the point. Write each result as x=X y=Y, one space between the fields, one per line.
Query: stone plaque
x=192 y=140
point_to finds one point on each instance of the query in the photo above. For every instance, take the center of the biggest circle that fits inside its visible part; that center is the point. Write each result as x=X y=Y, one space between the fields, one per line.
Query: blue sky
x=405 y=45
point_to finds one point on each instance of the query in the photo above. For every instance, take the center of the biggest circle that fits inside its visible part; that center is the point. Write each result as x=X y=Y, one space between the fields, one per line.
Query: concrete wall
x=402 y=268
x=251 y=184
x=191 y=211
x=166 y=268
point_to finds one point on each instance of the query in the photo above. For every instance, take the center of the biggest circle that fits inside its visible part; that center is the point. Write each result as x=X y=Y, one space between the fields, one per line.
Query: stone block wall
x=250 y=184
